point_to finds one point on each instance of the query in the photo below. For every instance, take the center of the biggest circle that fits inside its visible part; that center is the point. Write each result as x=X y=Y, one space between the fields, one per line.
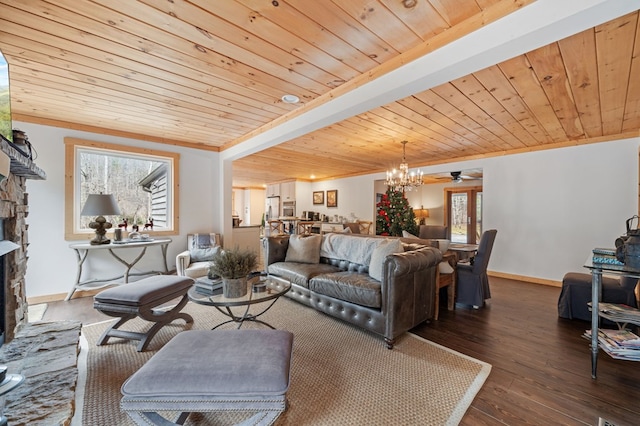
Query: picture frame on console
x=332 y=198
x=318 y=197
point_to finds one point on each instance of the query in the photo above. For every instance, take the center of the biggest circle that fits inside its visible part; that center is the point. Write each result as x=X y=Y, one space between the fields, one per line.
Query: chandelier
x=402 y=180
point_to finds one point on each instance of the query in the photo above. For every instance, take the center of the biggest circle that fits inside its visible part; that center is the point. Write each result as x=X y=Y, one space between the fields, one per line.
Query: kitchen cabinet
x=273 y=190
x=288 y=191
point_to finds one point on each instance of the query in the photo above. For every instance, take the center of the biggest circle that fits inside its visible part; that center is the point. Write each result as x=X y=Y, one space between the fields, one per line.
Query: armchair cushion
x=203 y=247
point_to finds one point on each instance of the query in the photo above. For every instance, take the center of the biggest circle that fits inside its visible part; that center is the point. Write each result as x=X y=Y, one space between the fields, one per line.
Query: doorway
x=464 y=214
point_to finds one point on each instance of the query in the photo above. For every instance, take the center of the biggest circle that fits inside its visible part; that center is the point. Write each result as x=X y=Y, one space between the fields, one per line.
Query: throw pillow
x=304 y=249
x=384 y=249
x=406 y=234
x=203 y=248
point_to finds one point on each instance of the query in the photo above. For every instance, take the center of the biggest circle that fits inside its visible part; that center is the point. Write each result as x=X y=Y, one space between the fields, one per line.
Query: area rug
x=340 y=374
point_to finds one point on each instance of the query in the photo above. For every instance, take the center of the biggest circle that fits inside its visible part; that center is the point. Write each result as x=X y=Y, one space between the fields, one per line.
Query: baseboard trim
x=525 y=278
x=61 y=296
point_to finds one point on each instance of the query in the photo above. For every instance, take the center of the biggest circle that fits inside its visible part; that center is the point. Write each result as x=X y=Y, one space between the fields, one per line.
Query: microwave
x=289 y=208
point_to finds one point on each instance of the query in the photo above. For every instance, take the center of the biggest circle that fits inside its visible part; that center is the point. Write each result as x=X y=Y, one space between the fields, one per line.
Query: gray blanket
x=346 y=247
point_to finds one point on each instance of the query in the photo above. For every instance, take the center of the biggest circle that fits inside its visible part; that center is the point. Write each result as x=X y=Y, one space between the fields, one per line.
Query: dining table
x=463 y=251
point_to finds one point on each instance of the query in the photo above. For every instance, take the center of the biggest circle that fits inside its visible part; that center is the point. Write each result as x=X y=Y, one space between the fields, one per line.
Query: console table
x=596 y=290
x=82 y=250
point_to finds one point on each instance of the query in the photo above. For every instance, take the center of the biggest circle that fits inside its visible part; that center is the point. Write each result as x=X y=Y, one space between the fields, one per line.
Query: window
x=143 y=182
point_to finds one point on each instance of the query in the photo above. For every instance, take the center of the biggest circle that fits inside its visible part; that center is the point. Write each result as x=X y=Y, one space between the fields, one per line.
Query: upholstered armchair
x=433 y=232
x=194 y=261
x=473 y=282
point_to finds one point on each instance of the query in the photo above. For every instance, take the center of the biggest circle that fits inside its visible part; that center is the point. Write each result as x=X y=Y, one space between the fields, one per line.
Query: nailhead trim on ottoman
x=213 y=370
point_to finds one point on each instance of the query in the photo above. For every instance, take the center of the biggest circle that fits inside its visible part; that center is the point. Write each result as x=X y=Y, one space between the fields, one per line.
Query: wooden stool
x=218 y=370
x=138 y=299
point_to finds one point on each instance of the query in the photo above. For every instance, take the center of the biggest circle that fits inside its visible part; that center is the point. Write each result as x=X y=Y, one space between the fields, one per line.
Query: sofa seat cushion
x=299 y=273
x=352 y=287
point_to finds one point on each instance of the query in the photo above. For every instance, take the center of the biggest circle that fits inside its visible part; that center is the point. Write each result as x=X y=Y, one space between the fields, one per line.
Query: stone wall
x=14 y=210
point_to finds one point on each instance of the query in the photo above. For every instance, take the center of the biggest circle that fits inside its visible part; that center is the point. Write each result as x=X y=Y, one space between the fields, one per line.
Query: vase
x=234 y=287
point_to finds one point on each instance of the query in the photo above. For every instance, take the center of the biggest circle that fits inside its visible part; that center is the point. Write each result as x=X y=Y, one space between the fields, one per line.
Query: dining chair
x=365 y=226
x=304 y=227
x=276 y=227
x=473 y=282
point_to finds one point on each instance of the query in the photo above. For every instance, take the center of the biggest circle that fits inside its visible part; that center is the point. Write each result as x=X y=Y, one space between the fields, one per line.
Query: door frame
x=472 y=220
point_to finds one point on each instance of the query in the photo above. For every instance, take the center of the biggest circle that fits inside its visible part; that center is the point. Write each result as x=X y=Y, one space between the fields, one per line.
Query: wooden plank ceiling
x=209 y=74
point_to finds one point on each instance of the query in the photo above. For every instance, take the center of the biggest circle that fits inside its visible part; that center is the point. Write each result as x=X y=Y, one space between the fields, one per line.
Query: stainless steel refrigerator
x=272 y=209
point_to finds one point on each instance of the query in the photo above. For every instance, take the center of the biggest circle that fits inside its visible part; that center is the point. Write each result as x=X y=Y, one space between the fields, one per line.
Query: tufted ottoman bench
x=139 y=299
x=213 y=370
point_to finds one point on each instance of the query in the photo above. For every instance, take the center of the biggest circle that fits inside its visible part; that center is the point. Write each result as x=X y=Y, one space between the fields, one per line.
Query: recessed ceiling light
x=290 y=99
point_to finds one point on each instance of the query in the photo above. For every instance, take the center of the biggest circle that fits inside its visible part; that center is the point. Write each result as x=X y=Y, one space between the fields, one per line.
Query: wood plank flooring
x=541 y=371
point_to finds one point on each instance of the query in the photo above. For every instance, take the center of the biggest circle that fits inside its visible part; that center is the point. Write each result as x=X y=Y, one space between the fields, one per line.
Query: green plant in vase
x=233 y=266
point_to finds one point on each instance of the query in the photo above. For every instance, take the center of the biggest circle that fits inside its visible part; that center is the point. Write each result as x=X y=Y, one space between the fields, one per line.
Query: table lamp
x=100 y=205
x=421 y=214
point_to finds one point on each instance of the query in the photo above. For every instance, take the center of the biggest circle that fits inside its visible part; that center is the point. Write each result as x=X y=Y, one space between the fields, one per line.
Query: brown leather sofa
x=343 y=288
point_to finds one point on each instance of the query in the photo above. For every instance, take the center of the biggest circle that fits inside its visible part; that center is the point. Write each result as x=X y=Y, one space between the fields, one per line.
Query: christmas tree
x=395 y=215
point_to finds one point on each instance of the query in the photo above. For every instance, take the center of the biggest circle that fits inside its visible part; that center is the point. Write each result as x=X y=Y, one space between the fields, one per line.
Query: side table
x=596 y=291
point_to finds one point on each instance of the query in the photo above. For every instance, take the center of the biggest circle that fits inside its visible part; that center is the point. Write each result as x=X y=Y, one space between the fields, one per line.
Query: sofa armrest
x=408 y=288
x=183 y=260
x=275 y=249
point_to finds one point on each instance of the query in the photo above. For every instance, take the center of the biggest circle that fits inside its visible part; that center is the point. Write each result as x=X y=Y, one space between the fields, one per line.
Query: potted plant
x=233 y=266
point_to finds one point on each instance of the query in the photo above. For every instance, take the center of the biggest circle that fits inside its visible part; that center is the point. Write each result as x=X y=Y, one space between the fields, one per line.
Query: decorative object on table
x=395 y=215
x=318 y=197
x=332 y=198
x=209 y=286
x=101 y=205
x=402 y=180
x=421 y=215
x=628 y=246
x=233 y=266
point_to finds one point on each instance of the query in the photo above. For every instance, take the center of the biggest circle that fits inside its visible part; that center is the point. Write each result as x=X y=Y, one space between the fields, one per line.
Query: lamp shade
x=422 y=213
x=100 y=205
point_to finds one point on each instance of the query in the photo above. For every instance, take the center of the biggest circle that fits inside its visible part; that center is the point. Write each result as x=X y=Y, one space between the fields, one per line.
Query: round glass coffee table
x=261 y=288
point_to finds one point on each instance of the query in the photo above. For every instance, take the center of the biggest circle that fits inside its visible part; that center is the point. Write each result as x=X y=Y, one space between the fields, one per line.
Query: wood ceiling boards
x=211 y=75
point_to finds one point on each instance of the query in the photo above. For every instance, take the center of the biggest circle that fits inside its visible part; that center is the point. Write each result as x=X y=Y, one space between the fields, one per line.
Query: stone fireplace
x=14 y=209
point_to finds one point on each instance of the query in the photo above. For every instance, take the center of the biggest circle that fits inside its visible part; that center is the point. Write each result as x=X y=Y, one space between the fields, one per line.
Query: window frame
x=71 y=199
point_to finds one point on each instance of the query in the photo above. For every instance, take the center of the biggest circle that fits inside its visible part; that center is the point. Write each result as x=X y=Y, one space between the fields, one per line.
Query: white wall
x=551 y=208
x=355 y=195
x=52 y=264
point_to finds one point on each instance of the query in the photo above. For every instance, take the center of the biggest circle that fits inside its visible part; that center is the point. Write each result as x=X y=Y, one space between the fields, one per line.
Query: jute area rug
x=341 y=375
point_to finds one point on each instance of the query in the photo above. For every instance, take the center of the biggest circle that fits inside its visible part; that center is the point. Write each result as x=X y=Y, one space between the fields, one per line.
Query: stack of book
x=209 y=287
x=619 y=344
x=606 y=256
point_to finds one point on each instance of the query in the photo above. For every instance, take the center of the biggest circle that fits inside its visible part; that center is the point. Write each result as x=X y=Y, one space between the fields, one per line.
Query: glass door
x=464 y=214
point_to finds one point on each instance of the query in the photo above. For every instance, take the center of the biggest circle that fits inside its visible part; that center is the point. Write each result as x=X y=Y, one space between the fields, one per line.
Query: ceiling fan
x=457 y=177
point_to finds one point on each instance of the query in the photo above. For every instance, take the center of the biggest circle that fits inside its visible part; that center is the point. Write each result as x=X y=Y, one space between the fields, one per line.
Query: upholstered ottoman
x=138 y=299
x=576 y=293
x=213 y=370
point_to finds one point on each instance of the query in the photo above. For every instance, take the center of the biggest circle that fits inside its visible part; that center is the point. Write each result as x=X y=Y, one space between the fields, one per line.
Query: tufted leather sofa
x=343 y=289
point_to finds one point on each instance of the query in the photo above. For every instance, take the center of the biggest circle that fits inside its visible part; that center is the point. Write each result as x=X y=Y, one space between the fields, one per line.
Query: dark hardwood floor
x=541 y=368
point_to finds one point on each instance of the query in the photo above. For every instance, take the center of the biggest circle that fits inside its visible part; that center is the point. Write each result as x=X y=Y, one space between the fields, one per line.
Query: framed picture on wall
x=318 y=197
x=332 y=198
